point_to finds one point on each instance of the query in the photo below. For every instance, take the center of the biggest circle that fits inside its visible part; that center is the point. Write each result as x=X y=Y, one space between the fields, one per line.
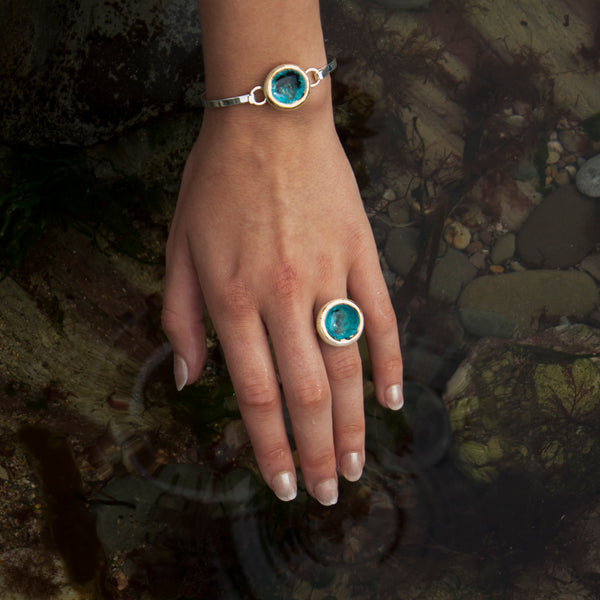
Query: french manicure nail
x=326 y=492
x=351 y=466
x=393 y=397
x=180 y=371
x=284 y=486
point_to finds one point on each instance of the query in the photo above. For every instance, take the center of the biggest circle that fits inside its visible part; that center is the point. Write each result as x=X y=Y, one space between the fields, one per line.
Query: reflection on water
x=472 y=130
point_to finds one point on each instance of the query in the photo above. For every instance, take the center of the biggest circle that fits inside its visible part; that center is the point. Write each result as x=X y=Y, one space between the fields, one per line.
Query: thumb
x=182 y=316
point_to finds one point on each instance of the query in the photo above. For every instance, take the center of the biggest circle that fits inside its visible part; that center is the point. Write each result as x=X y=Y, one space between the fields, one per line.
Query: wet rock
x=524 y=298
x=450 y=275
x=78 y=72
x=530 y=407
x=524 y=170
x=591 y=264
x=574 y=141
x=588 y=177
x=401 y=249
x=457 y=235
x=560 y=231
x=503 y=249
x=399 y=212
x=487 y=323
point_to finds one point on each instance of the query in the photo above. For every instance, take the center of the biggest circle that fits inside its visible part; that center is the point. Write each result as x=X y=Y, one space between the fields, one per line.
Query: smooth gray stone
x=560 y=231
x=401 y=249
x=588 y=177
x=486 y=323
x=526 y=297
x=504 y=248
x=453 y=271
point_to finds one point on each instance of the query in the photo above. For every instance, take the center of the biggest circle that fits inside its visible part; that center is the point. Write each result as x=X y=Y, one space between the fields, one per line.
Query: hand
x=268 y=227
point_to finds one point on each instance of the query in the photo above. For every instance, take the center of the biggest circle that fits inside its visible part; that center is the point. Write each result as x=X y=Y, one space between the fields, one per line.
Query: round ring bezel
x=268 y=87
x=322 y=329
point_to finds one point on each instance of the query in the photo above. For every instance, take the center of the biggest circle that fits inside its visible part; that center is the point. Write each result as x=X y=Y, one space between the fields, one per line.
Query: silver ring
x=340 y=322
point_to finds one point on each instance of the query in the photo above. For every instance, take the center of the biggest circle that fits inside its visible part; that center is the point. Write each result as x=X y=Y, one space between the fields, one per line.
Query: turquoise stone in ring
x=340 y=322
x=287 y=86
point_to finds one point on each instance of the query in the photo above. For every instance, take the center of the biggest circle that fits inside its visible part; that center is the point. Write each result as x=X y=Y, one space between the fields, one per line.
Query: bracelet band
x=286 y=87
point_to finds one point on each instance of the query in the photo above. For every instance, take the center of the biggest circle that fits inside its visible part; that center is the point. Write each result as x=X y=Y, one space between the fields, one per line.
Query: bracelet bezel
x=274 y=97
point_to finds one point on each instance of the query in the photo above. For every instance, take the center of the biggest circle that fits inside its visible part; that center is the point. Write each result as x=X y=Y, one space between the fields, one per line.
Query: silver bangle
x=285 y=87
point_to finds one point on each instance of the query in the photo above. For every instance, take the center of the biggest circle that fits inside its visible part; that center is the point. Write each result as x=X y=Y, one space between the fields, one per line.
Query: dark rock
x=76 y=72
x=525 y=298
x=588 y=178
x=450 y=275
x=560 y=231
x=401 y=249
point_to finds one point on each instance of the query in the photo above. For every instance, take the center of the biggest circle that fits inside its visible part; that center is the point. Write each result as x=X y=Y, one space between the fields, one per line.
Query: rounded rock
x=503 y=249
x=588 y=177
x=457 y=235
x=560 y=231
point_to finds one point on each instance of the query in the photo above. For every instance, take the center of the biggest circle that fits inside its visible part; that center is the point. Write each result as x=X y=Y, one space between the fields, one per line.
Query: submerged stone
x=588 y=178
x=342 y=322
x=524 y=298
x=530 y=407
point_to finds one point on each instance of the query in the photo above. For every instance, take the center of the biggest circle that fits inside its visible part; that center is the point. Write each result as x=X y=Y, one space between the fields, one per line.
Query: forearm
x=243 y=40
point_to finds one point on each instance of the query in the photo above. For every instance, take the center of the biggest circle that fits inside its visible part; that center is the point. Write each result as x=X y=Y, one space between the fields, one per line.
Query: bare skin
x=269 y=226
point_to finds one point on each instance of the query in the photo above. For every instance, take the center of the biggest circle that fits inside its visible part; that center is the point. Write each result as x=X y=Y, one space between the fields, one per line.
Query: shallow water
x=460 y=119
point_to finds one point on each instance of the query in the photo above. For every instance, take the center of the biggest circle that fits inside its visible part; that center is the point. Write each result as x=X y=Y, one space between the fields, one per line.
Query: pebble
x=562 y=178
x=519 y=300
x=573 y=141
x=399 y=212
x=457 y=235
x=588 y=177
x=503 y=249
x=479 y=260
x=553 y=157
x=560 y=231
x=524 y=170
x=450 y=275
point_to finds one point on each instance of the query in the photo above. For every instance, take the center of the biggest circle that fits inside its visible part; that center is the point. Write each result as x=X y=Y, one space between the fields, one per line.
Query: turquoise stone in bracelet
x=340 y=322
x=288 y=86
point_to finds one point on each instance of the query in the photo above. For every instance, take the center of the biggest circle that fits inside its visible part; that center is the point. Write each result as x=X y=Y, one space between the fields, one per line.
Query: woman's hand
x=268 y=227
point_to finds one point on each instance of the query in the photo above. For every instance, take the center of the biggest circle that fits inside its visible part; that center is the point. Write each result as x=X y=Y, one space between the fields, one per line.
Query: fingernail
x=180 y=371
x=284 y=486
x=393 y=397
x=351 y=466
x=326 y=492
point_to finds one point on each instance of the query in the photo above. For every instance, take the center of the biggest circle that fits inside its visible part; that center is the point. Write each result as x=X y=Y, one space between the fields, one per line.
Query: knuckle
x=310 y=395
x=170 y=321
x=392 y=367
x=352 y=431
x=286 y=283
x=319 y=462
x=384 y=317
x=237 y=299
x=344 y=366
x=259 y=395
x=274 y=455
